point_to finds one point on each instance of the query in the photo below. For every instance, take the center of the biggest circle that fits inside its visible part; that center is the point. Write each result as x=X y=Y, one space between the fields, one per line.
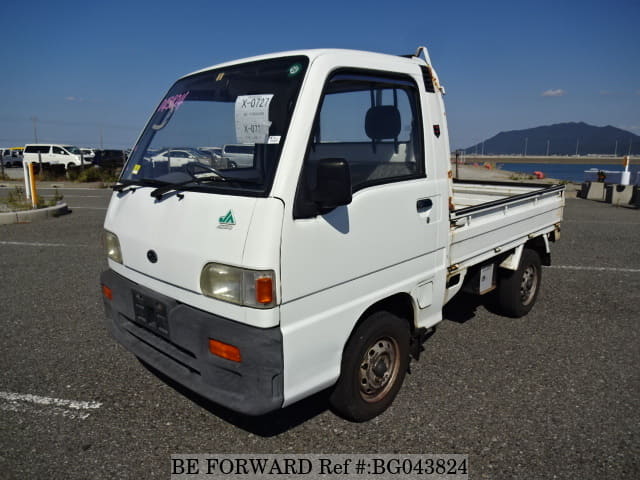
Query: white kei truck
x=326 y=263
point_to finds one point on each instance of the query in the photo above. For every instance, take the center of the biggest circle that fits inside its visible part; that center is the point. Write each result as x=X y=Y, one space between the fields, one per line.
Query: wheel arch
x=540 y=245
x=399 y=304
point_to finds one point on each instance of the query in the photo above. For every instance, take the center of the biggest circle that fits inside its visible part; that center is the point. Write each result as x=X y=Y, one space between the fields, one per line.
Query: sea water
x=573 y=173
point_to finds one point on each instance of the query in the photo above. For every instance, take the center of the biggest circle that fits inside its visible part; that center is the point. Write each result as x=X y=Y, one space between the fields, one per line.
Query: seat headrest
x=382 y=122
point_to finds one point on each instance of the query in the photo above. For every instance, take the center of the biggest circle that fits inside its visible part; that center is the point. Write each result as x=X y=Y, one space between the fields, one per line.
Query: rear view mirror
x=333 y=184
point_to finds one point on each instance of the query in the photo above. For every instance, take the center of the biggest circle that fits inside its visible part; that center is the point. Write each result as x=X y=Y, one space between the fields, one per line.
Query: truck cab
x=321 y=264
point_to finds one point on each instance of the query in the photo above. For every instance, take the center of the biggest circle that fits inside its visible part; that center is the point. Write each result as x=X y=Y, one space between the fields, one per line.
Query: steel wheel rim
x=529 y=284
x=379 y=369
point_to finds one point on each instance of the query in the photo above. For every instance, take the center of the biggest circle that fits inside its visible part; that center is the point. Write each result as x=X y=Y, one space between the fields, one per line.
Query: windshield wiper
x=166 y=187
x=126 y=185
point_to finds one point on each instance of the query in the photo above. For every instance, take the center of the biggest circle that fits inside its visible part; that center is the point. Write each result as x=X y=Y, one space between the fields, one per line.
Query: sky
x=90 y=73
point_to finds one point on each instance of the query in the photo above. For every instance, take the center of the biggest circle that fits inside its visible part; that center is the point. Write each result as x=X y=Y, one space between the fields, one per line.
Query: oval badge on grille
x=152 y=256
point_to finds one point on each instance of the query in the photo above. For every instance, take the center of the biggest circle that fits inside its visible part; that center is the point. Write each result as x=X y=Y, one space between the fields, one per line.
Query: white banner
x=252 y=118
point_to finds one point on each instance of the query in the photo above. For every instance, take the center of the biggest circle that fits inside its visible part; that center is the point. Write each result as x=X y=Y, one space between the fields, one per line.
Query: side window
x=374 y=123
x=58 y=151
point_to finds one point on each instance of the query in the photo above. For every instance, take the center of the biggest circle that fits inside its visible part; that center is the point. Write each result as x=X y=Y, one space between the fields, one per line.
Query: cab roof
x=340 y=56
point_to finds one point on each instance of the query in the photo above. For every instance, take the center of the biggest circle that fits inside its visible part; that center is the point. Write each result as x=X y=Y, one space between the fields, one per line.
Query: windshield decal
x=173 y=103
x=252 y=118
x=294 y=70
x=136 y=169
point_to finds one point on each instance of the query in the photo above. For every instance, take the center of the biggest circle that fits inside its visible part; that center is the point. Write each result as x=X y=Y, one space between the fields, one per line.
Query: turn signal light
x=264 y=290
x=225 y=350
x=107 y=292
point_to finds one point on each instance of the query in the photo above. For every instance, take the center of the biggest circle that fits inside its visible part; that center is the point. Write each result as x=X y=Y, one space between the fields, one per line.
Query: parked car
x=88 y=154
x=219 y=160
x=5 y=157
x=109 y=158
x=182 y=156
x=241 y=155
x=11 y=157
x=54 y=154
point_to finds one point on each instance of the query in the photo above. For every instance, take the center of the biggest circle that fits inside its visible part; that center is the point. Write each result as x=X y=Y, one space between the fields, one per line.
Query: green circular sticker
x=294 y=69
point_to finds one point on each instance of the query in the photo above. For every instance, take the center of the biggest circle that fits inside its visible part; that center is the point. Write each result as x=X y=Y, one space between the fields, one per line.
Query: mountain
x=562 y=139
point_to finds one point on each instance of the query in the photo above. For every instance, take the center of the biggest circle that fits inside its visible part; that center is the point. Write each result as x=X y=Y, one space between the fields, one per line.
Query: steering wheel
x=192 y=167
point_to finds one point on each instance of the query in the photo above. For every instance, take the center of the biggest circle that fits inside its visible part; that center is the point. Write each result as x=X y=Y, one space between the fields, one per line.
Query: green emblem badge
x=227 y=221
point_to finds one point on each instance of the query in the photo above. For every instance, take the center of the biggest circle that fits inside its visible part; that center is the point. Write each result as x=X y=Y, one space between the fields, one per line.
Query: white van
x=54 y=154
x=240 y=155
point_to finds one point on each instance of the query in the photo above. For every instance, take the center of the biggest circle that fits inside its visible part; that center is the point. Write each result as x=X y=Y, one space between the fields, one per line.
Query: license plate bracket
x=151 y=314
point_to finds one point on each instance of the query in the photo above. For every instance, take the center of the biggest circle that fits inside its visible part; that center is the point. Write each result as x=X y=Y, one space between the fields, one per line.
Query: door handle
x=424 y=204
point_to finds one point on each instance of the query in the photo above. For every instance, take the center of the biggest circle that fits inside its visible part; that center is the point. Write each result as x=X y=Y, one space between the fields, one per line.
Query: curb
x=28 y=216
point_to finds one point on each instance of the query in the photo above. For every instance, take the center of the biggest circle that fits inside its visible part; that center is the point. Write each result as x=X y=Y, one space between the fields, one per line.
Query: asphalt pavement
x=552 y=395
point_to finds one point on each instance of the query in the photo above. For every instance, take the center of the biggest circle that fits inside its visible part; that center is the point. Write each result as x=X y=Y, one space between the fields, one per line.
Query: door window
x=373 y=122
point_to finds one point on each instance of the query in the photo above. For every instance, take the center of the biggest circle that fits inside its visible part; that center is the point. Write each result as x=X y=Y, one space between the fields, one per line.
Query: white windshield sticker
x=252 y=118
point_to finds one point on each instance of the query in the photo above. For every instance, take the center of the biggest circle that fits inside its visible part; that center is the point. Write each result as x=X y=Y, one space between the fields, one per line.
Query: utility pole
x=615 y=151
x=630 y=143
x=577 y=145
x=526 y=142
x=101 y=147
x=35 y=127
x=547 y=147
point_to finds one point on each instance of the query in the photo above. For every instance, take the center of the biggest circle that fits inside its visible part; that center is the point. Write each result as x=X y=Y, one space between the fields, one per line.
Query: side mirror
x=333 y=184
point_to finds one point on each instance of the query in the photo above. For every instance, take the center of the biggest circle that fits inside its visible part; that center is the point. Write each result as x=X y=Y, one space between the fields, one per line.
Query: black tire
x=374 y=363
x=517 y=291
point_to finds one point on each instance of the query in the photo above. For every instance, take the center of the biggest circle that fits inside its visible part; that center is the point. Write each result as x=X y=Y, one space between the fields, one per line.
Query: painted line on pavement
x=597 y=269
x=20 y=402
x=38 y=244
x=83 y=196
x=89 y=208
x=600 y=222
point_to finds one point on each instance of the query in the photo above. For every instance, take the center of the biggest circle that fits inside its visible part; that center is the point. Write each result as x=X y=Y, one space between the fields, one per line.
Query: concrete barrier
x=619 y=194
x=584 y=189
x=595 y=191
x=28 y=216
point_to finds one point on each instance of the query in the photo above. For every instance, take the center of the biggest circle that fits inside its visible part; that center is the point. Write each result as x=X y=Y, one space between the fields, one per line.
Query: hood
x=173 y=238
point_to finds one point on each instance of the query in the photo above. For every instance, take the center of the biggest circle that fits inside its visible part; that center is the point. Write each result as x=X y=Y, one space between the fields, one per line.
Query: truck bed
x=493 y=217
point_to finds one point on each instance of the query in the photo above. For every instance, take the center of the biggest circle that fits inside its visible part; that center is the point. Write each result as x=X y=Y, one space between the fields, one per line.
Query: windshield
x=231 y=121
x=72 y=149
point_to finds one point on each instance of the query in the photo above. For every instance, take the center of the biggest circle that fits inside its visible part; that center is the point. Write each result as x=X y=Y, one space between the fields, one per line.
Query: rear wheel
x=374 y=364
x=518 y=290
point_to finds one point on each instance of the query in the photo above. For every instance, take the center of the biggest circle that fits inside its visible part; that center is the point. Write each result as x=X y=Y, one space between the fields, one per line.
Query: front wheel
x=374 y=364
x=518 y=290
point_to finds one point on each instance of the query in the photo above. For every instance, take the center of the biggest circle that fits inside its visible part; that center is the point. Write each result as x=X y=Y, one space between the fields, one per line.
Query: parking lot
x=552 y=395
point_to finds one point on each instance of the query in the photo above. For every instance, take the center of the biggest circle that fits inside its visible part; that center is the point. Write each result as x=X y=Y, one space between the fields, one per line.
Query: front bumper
x=178 y=346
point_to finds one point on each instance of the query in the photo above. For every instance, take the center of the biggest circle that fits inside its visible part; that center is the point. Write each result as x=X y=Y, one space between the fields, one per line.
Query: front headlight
x=251 y=288
x=112 y=244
